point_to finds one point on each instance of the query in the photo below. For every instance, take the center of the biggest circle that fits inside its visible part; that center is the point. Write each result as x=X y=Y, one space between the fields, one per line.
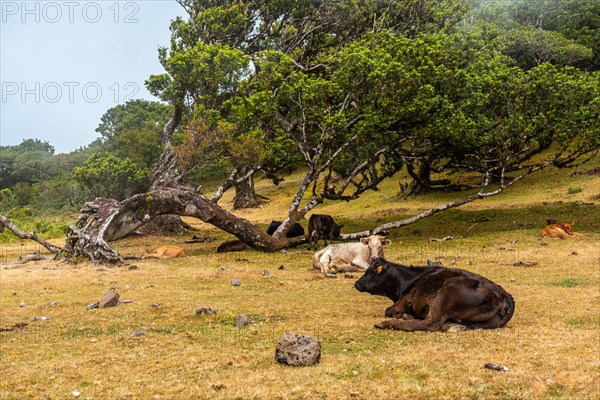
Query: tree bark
x=166 y=172
x=245 y=195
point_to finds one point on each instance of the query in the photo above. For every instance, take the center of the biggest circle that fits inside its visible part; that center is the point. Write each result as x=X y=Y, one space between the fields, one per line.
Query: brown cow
x=231 y=246
x=560 y=230
x=437 y=298
x=164 y=251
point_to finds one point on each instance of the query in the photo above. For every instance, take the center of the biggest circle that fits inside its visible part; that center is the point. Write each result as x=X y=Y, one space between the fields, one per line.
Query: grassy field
x=551 y=346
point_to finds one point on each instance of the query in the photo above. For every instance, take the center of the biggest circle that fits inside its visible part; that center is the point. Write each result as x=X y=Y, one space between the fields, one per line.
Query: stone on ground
x=298 y=350
x=110 y=299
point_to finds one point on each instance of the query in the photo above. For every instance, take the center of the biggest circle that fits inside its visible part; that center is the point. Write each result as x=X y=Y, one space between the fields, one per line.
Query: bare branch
x=225 y=186
x=231 y=181
x=481 y=194
x=6 y=223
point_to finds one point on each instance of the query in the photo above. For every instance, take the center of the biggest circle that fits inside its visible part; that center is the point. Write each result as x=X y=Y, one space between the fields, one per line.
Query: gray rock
x=22 y=303
x=205 y=310
x=132 y=267
x=298 y=350
x=235 y=282
x=330 y=275
x=241 y=320
x=92 y=306
x=110 y=299
x=266 y=272
x=155 y=305
x=496 y=367
x=281 y=267
x=435 y=263
x=348 y=276
x=137 y=334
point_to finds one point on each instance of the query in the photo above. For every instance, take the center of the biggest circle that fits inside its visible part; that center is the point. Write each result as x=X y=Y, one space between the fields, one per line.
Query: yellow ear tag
x=379 y=269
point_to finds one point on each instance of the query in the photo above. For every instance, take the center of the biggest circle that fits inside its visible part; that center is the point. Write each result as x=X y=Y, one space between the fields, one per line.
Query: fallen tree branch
x=105 y=220
x=444 y=239
x=6 y=223
x=26 y=258
x=481 y=194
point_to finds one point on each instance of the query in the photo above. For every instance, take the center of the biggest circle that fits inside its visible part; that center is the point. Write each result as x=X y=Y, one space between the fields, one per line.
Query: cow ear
x=364 y=241
x=386 y=242
x=379 y=268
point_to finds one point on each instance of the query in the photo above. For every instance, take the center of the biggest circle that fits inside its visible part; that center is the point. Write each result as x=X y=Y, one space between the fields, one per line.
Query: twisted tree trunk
x=166 y=172
x=245 y=195
x=105 y=220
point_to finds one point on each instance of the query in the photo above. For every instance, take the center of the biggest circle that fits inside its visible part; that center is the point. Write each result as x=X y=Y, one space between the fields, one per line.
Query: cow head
x=376 y=279
x=336 y=230
x=376 y=244
x=568 y=227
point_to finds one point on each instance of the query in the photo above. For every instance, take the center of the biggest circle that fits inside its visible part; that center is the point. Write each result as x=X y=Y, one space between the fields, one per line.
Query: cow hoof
x=380 y=325
x=455 y=328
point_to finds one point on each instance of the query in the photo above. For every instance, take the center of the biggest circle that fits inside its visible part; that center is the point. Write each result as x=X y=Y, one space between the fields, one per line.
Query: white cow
x=348 y=257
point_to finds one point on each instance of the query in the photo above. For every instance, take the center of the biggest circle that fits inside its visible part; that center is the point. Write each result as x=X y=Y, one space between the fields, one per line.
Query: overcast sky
x=64 y=63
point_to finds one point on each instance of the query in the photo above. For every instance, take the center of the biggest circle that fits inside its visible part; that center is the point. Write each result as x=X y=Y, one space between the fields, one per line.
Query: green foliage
x=565 y=32
x=531 y=47
x=243 y=62
x=29 y=221
x=132 y=130
x=28 y=145
x=141 y=145
x=574 y=190
x=105 y=175
x=6 y=198
x=133 y=115
x=30 y=161
x=25 y=194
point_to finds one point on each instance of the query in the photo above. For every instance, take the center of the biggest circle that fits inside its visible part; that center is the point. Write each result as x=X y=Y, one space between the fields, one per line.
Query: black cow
x=437 y=298
x=322 y=226
x=297 y=229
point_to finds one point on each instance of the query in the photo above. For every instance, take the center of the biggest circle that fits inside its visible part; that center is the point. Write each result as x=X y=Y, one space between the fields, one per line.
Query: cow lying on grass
x=437 y=298
x=348 y=257
x=164 y=251
x=560 y=230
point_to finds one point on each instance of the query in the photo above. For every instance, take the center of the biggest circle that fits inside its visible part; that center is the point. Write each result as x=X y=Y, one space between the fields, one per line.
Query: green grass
x=579 y=322
x=574 y=190
x=571 y=283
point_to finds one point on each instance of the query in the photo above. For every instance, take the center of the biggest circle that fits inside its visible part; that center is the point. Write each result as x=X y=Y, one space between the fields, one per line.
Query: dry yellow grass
x=551 y=346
